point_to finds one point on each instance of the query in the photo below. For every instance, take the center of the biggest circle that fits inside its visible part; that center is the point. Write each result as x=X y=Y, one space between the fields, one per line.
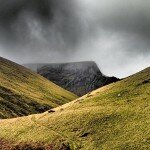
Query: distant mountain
x=77 y=77
x=23 y=92
x=114 y=117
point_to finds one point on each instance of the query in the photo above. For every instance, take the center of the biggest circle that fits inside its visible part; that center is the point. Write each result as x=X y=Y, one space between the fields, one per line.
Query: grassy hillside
x=23 y=92
x=114 y=117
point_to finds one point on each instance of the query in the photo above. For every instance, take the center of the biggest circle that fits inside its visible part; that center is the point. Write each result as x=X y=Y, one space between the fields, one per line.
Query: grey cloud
x=127 y=18
x=114 y=33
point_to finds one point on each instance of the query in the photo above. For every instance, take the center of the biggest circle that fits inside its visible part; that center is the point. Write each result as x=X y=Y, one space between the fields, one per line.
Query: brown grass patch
x=5 y=145
x=9 y=145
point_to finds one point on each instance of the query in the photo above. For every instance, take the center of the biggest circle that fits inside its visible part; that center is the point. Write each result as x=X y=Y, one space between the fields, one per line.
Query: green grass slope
x=23 y=92
x=114 y=117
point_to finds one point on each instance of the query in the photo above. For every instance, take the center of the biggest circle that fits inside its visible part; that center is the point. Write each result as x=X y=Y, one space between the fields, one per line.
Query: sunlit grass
x=114 y=117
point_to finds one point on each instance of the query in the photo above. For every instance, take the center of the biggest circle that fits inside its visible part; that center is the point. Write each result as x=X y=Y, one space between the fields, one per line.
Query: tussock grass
x=114 y=117
x=23 y=92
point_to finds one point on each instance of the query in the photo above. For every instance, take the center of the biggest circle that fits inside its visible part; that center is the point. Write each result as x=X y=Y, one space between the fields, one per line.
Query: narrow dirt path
x=56 y=132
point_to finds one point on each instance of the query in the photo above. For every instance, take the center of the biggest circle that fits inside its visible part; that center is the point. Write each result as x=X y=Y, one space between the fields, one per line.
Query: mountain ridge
x=77 y=77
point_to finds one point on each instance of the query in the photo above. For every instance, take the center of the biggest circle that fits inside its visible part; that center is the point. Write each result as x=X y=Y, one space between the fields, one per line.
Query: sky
x=113 y=33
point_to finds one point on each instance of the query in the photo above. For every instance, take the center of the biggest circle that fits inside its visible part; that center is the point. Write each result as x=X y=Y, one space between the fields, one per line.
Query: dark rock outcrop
x=78 y=77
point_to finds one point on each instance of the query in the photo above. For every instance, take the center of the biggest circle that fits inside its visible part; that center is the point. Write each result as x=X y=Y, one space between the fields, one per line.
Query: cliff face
x=78 y=77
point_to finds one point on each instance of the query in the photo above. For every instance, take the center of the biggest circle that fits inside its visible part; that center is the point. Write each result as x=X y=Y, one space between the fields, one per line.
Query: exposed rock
x=119 y=95
x=51 y=111
x=85 y=134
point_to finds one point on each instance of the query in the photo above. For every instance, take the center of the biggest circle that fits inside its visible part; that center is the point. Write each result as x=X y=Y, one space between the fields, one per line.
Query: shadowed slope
x=23 y=92
x=112 y=117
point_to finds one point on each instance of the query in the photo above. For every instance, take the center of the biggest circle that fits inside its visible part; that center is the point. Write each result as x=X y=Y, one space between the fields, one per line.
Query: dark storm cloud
x=18 y=18
x=73 y=30
x=11 y=9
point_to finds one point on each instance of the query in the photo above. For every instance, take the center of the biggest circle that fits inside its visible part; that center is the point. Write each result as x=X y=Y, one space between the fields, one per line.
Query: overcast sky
x=114 y=33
